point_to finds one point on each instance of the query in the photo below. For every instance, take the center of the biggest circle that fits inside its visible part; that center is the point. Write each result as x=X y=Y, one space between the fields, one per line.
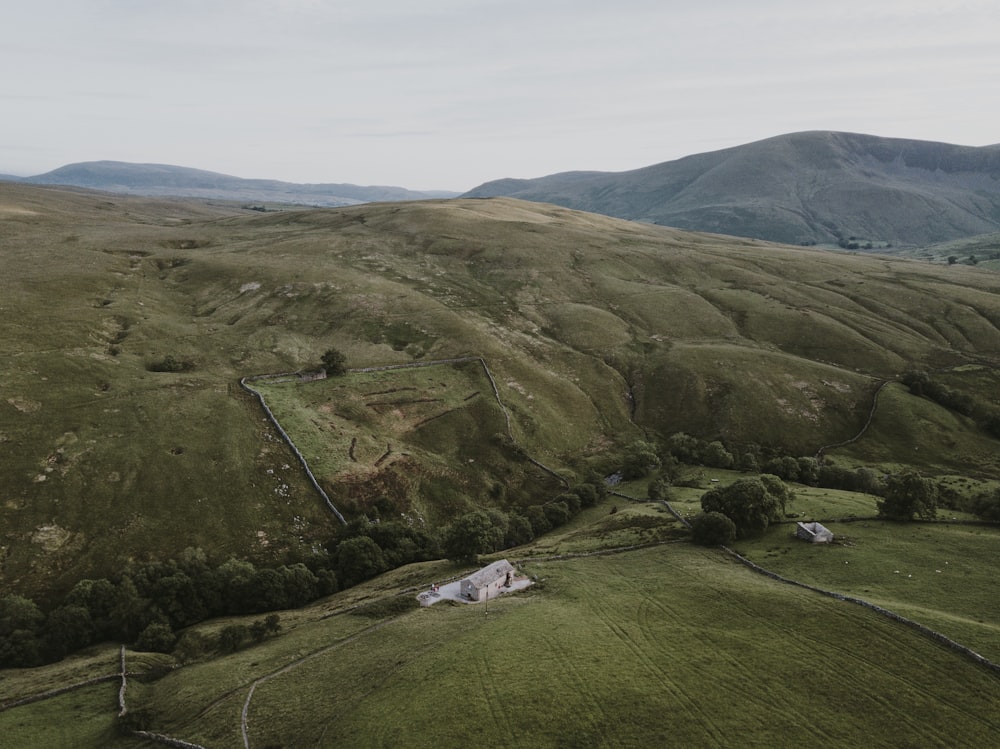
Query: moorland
x=817 y=188
x=128 y=324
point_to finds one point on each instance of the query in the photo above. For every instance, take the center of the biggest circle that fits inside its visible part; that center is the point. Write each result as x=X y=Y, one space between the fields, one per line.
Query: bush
x=752 y=504
x=334 y=362
x=909 y=495
x=713 y=529
x=170 y=364
x=156 y=638
x=233 y=637
x=588 y=494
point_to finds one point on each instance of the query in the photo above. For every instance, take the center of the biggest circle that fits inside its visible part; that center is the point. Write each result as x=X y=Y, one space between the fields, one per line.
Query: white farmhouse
x=488 y=581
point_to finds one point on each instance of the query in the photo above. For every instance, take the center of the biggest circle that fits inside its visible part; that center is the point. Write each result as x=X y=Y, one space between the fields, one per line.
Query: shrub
x=713 y=529
x=156 y=638
x=752 y=504
x=170 y=364
x=233 y=637
x=907 y=495
x=334 y=362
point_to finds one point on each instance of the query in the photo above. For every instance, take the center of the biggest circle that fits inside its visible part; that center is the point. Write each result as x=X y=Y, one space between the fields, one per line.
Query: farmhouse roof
x=489 y=574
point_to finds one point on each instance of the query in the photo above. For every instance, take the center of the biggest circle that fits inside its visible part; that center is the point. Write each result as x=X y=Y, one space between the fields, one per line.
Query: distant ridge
x=166 y=180
x=810 y=187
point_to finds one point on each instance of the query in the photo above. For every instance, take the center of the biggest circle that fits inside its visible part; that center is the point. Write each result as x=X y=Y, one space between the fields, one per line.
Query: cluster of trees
x=487 y=531
x=148 y=603
x=750 y=505
x=908 y=495
x=643 y=458
x=986 y=416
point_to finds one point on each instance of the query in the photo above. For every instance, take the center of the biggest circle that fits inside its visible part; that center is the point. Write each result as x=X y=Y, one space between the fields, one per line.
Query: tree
x=658 y=490
x=752 y=503
x=717 y=456
x=684 y=447
x=334 y=362
x=156 y=638
x=359 y=558
x=712 y=529
x=472 y=534
x=233 y=637
x=67 y=628
x=987 y=506
x=640 y=460
x=557 y=512
x=908 y=495
x=20 y=620
x=518 y=531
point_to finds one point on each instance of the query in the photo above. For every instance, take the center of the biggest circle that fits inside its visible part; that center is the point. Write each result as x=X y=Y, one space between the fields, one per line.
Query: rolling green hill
x=811 y=187
x=597 y=331
x=666 y=645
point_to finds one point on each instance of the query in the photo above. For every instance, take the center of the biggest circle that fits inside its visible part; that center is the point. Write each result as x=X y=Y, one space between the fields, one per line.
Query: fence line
x=288 y=441
x=289 y=376
x=923 y=629
x=122 y=710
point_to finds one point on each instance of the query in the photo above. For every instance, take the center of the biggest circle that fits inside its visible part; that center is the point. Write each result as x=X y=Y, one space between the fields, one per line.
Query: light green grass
x=911 y=431
x=85 y=717
x=574 y=313
x=672 y=645
x=938 y=574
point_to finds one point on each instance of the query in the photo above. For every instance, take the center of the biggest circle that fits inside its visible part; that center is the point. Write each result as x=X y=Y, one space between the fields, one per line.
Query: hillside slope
x=166 y=180
x=597 y=332
x=811 y=187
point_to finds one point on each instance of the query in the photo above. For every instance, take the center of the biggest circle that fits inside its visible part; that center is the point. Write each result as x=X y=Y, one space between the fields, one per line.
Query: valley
x=565 y=340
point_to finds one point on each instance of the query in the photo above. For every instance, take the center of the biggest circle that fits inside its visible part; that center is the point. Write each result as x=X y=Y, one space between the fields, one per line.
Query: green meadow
x=666 y=644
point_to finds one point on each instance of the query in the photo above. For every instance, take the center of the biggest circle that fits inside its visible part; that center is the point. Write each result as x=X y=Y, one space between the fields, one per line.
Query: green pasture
x=428 y=442
x=667 y=644
x=916 y=432
x=939 y=574
x=84 y=717
x=672 y=644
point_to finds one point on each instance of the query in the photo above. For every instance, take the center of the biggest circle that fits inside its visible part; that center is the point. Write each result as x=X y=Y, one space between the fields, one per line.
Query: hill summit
x=160 y=180
x=803 y=188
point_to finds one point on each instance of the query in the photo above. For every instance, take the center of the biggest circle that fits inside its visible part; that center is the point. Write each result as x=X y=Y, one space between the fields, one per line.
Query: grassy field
x=426 y=443
x=938 y=574
x=669 y=644
x=598 y=331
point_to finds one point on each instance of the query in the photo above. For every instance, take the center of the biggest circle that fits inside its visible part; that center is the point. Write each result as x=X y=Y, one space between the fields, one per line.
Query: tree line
x=150 y=603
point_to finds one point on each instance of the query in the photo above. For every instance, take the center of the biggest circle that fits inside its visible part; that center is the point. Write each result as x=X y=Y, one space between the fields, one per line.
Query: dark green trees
x=473 y=534
x=712 y=529
x=752 y=504
x=908 y=495
x=334 y=362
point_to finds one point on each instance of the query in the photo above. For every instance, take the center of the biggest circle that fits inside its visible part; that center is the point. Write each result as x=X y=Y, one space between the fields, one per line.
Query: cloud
x=456 y=92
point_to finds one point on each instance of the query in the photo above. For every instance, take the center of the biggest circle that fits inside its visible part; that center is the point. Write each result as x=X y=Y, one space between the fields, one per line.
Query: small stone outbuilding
x=813 y=533
x=488 y=581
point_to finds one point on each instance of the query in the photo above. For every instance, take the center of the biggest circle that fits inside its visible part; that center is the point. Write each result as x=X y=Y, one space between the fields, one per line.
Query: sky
x=448 y=94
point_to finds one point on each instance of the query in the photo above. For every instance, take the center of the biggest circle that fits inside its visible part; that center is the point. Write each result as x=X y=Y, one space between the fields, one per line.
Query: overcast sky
x=448 y=94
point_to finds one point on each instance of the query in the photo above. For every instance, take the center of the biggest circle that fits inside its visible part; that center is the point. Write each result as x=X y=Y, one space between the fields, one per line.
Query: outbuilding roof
x=490 y=574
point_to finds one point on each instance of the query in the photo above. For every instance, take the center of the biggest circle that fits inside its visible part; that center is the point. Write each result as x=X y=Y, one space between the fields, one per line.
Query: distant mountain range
x=802 y=188
x=166 y=180
x=822 y=188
